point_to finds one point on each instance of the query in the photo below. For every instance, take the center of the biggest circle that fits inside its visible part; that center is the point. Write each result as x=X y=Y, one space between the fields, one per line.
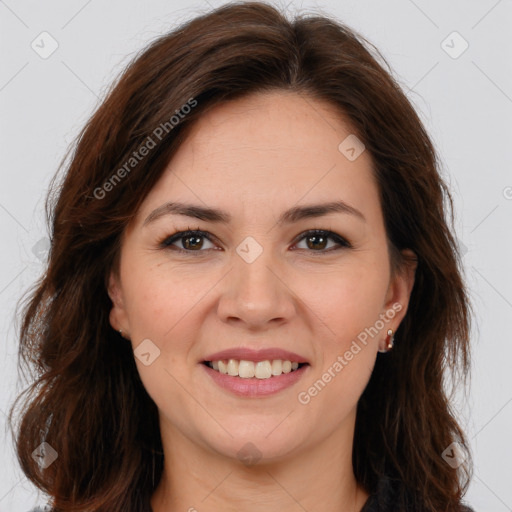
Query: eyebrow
x=294 y=214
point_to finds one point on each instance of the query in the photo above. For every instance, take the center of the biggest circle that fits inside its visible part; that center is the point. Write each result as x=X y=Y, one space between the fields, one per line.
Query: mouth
x=255 y=379
x=250 y=372
x=262 y=370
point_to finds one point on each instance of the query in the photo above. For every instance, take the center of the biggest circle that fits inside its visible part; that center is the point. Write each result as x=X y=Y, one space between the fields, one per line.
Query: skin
x=256 y=157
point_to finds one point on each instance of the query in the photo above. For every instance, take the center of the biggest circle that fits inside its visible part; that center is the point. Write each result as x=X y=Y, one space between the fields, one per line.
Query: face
x=257 y=280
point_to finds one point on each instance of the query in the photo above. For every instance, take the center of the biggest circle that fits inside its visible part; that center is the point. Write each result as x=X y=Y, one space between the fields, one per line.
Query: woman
x=253 y=294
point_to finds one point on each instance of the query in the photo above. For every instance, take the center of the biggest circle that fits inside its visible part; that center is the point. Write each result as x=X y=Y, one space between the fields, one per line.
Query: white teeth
x=246 y=369
x=277 y=367
x=233 y=367
x=263 y=370
x=223 y=367
x=249 y=369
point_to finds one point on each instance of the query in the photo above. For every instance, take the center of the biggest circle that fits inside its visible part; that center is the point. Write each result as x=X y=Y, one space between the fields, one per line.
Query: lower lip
x=254 y=387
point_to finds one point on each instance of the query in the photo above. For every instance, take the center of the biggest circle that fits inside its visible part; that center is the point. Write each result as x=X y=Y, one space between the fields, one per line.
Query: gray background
x=465 y=102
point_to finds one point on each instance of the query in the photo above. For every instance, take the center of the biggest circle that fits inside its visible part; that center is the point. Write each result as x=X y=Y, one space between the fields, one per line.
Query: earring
x=389 y=342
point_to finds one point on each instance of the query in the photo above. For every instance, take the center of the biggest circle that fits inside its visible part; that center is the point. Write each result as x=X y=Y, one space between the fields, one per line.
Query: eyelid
x=342 y=242
x=167 y=241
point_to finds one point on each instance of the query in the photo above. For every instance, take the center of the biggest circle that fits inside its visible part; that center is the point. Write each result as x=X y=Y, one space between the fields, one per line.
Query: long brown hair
x=87 y=401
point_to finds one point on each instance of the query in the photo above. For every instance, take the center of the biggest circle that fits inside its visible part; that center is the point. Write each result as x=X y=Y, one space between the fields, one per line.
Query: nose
x=257 y=294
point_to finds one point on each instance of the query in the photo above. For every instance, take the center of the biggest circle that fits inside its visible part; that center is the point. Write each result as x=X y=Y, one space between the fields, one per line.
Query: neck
x=315 y=479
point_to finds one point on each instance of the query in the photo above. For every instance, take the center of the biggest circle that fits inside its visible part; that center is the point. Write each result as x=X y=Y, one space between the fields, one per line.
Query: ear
x=399 y=290
x=118 y=316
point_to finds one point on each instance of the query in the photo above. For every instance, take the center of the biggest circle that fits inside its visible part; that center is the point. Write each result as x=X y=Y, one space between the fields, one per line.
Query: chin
x=250 y=447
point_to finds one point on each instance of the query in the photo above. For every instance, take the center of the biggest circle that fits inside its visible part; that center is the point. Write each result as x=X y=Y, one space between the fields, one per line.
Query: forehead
x=264 y=149
x=282 y=125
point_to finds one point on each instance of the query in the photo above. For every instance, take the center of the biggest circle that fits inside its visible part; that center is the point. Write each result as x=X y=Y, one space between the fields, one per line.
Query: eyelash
x=167 y=242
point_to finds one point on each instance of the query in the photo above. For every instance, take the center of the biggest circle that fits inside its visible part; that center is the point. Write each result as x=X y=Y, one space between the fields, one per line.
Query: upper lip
x=250 y=354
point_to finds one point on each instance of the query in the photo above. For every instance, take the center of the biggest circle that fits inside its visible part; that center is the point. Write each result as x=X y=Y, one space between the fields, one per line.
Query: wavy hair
x=87 y=401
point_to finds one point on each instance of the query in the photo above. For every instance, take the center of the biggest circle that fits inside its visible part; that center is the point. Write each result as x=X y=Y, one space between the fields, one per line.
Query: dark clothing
x=390 y=497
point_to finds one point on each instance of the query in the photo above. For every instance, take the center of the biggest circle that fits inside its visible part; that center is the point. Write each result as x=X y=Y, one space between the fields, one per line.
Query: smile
x=251 y=385
x=254 y=369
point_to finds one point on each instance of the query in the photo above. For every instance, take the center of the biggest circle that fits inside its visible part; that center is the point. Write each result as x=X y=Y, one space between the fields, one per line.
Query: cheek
x=163 y=305
x=349 y=304
x=352 y=304
x=167 y=304
x=160 y=296
x=347 y=300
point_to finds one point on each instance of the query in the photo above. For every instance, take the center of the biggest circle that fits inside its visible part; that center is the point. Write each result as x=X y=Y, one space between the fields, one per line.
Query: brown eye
x=190 y=241
x=317 y=241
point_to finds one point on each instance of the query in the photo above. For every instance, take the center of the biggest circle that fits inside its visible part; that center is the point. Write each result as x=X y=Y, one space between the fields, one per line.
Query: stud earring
x=389 y=342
